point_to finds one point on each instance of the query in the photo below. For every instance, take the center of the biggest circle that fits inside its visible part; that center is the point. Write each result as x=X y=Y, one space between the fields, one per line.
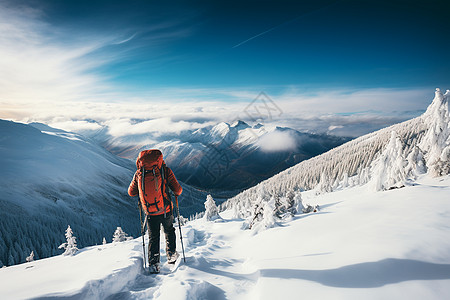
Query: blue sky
x=257 y=43
x=222 y=52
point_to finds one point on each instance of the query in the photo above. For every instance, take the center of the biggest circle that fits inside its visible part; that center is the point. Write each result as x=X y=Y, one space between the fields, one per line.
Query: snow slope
x=50 y=179
x=362 y=244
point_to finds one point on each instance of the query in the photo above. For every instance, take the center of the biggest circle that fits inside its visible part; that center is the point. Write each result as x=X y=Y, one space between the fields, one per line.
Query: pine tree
x=258 y=212
x=120 y=236
x=266 y=218
x=211 y=210
x=104 y=241
x=298 y=202
x=71 y=245
x=389 y=169
x=436 y=142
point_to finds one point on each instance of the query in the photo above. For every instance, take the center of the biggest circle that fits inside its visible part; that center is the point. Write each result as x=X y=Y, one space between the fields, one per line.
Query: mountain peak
x=239 y=124
x=221 y=129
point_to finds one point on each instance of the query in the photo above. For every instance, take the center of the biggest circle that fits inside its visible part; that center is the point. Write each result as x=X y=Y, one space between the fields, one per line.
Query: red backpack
x=152 y=182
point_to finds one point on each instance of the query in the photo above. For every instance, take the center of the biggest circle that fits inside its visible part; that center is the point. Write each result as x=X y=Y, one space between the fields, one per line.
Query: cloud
x=76 y=126
x=39 y=62
x=125 y=40
x=277 y=142
x=124 y=127
x=333 y=127
x=350 y=112
x=43 y=62
x=354 y=101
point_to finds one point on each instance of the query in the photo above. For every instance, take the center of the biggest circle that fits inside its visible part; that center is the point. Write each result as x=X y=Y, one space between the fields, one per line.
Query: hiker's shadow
x=367 y=275
x=209 y=266
x=362 y=275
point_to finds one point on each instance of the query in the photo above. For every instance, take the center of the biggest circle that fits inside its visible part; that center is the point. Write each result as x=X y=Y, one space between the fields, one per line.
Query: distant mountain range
x=228 y=157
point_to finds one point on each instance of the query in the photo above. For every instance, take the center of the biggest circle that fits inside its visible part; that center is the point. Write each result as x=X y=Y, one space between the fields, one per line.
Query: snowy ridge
x=386 y=158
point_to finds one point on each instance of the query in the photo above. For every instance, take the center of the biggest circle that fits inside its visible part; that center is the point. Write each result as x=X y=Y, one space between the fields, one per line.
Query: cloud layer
x=351 y=113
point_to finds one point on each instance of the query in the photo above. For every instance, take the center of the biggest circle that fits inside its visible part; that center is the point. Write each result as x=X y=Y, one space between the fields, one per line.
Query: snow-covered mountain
x=51 y=178
x=225 y=156
x=386 y=159
x=379 y=231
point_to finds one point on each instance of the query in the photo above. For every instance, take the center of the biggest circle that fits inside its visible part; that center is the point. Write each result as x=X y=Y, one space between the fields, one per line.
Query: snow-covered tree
x=70 y=246
x=436 y=142
x=388 y=171
x=120 y=236
x=415 y=163
x=285 y=207
x=258 y=212
x=266 y=216
x=104 y=241
x=183 y=220
x=31 y=257
x=211 y=210
x=298 y=202
x=344 y=182
x=325 y=184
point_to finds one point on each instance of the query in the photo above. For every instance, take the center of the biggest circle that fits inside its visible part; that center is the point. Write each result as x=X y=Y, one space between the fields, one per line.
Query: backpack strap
x=143 y=186
x=165 y=184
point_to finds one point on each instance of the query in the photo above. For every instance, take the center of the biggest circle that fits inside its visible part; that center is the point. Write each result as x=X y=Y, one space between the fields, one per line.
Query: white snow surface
x=361 y=244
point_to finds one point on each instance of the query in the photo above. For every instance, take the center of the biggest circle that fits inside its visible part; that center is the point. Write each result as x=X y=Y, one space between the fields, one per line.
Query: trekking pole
x=179 y=226
x=143 y=232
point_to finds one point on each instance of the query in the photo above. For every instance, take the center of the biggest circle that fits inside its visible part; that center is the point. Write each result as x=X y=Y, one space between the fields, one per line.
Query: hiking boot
x=172 y=257
x=154 y=268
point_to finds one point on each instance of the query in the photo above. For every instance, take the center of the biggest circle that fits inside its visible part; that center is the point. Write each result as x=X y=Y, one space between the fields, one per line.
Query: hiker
x=155 y=200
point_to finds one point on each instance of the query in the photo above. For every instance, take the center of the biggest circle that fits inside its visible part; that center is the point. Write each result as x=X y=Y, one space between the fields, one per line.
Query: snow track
x=208 y=272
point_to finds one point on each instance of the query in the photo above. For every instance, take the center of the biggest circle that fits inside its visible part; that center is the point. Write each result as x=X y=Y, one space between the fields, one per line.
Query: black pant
x=154 y=227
